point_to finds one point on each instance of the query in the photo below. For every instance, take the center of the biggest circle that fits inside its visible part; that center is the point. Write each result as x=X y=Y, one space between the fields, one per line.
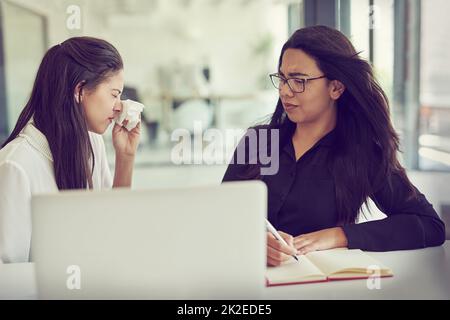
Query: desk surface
x=418 y=274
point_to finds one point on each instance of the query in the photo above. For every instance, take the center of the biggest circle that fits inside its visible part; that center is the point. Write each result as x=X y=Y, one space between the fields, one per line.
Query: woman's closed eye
x=116 y=93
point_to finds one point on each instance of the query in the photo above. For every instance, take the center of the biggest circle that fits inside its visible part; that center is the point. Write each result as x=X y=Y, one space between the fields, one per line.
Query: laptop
x=187 y=243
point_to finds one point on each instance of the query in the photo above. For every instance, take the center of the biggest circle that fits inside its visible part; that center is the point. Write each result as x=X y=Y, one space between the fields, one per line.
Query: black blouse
x=301 y=199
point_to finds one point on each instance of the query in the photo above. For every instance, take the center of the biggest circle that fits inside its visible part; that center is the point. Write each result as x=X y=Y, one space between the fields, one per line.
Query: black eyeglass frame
x=303 y=81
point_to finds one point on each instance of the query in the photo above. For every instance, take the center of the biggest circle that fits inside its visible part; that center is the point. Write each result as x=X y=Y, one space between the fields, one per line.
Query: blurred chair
x=191 y=111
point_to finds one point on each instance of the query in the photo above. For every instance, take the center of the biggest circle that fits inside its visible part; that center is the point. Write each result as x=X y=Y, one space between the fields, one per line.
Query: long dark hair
x=55 y=111
x=365 y=151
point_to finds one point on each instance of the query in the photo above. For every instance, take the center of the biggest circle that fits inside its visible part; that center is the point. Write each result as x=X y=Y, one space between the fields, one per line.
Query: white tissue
x=131 y=111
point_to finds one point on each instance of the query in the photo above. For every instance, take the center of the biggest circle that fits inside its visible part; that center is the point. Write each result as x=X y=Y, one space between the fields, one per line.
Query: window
x=21 y=57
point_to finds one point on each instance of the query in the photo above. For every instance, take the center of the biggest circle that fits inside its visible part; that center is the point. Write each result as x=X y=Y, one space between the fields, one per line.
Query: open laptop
x=193 y=243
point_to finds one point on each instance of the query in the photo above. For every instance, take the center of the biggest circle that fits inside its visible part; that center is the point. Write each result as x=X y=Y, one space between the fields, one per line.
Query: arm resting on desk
x=410 y=223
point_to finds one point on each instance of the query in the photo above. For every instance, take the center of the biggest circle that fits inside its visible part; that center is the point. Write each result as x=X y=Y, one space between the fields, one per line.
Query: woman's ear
x=78 y=93
x=337 y=88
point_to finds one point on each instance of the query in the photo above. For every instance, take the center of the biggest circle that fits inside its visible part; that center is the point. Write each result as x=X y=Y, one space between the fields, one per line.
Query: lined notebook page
x=340 y=260
x=293 y=271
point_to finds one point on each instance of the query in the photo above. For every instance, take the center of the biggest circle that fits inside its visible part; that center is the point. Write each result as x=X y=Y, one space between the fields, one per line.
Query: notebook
x=327 y=265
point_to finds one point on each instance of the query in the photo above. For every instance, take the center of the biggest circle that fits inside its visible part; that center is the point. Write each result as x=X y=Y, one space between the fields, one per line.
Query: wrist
x=123 y=170
x=341 y=237
x=125 y=157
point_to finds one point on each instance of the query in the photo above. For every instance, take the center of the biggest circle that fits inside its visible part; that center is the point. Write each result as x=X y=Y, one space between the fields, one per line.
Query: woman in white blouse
x=56 y=143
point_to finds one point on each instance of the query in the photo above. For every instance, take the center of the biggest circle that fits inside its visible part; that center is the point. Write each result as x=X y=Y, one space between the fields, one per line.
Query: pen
x=275 y=233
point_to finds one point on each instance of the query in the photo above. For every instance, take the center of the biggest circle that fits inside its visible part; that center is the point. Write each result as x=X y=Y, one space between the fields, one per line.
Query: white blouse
x=26 y=169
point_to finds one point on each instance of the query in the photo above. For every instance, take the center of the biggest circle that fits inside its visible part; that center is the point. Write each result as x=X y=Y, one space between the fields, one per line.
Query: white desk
x=17 y=281
x=418 y=274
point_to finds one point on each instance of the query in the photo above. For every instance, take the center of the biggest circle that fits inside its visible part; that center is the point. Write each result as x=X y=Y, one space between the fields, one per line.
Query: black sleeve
x=234 y=172
x=410 y=223
x=239 y=166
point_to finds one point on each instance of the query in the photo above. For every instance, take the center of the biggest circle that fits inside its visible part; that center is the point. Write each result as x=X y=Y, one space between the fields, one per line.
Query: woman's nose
x=118 y=106
x=285 y=90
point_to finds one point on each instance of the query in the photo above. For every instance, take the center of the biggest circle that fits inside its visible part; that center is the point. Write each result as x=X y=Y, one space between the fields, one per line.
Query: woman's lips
x=288 y=106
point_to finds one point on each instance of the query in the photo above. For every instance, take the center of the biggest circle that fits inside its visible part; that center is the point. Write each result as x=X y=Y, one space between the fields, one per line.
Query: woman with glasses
x=56 y=143
x=336 y=149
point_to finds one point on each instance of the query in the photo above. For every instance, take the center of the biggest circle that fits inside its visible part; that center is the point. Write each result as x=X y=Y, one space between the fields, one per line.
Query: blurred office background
x=209 y=60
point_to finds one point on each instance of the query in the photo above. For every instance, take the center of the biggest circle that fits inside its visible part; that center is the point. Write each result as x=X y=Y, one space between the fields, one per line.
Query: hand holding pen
x=278 y=249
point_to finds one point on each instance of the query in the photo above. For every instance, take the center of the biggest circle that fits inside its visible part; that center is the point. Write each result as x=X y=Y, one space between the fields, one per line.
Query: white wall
x=435 y=51
x=151 y=34
x=223 y=36
x=23 y=26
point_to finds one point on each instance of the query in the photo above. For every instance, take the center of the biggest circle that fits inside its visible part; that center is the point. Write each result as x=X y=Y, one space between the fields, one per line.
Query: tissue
x=131 y=111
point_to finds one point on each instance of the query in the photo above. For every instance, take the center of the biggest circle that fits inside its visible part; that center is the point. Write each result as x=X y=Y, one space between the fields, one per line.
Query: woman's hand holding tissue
x=126 y=131
x=126 y=142
x=126 y=134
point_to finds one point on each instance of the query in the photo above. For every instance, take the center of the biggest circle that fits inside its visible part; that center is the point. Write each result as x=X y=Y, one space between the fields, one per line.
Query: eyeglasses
x=296 y=85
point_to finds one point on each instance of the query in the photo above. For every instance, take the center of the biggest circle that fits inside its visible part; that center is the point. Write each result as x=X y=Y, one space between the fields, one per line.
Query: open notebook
x=327 y=265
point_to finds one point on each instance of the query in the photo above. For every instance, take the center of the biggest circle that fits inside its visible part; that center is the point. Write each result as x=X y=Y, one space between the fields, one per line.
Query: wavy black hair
x=365 y=151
